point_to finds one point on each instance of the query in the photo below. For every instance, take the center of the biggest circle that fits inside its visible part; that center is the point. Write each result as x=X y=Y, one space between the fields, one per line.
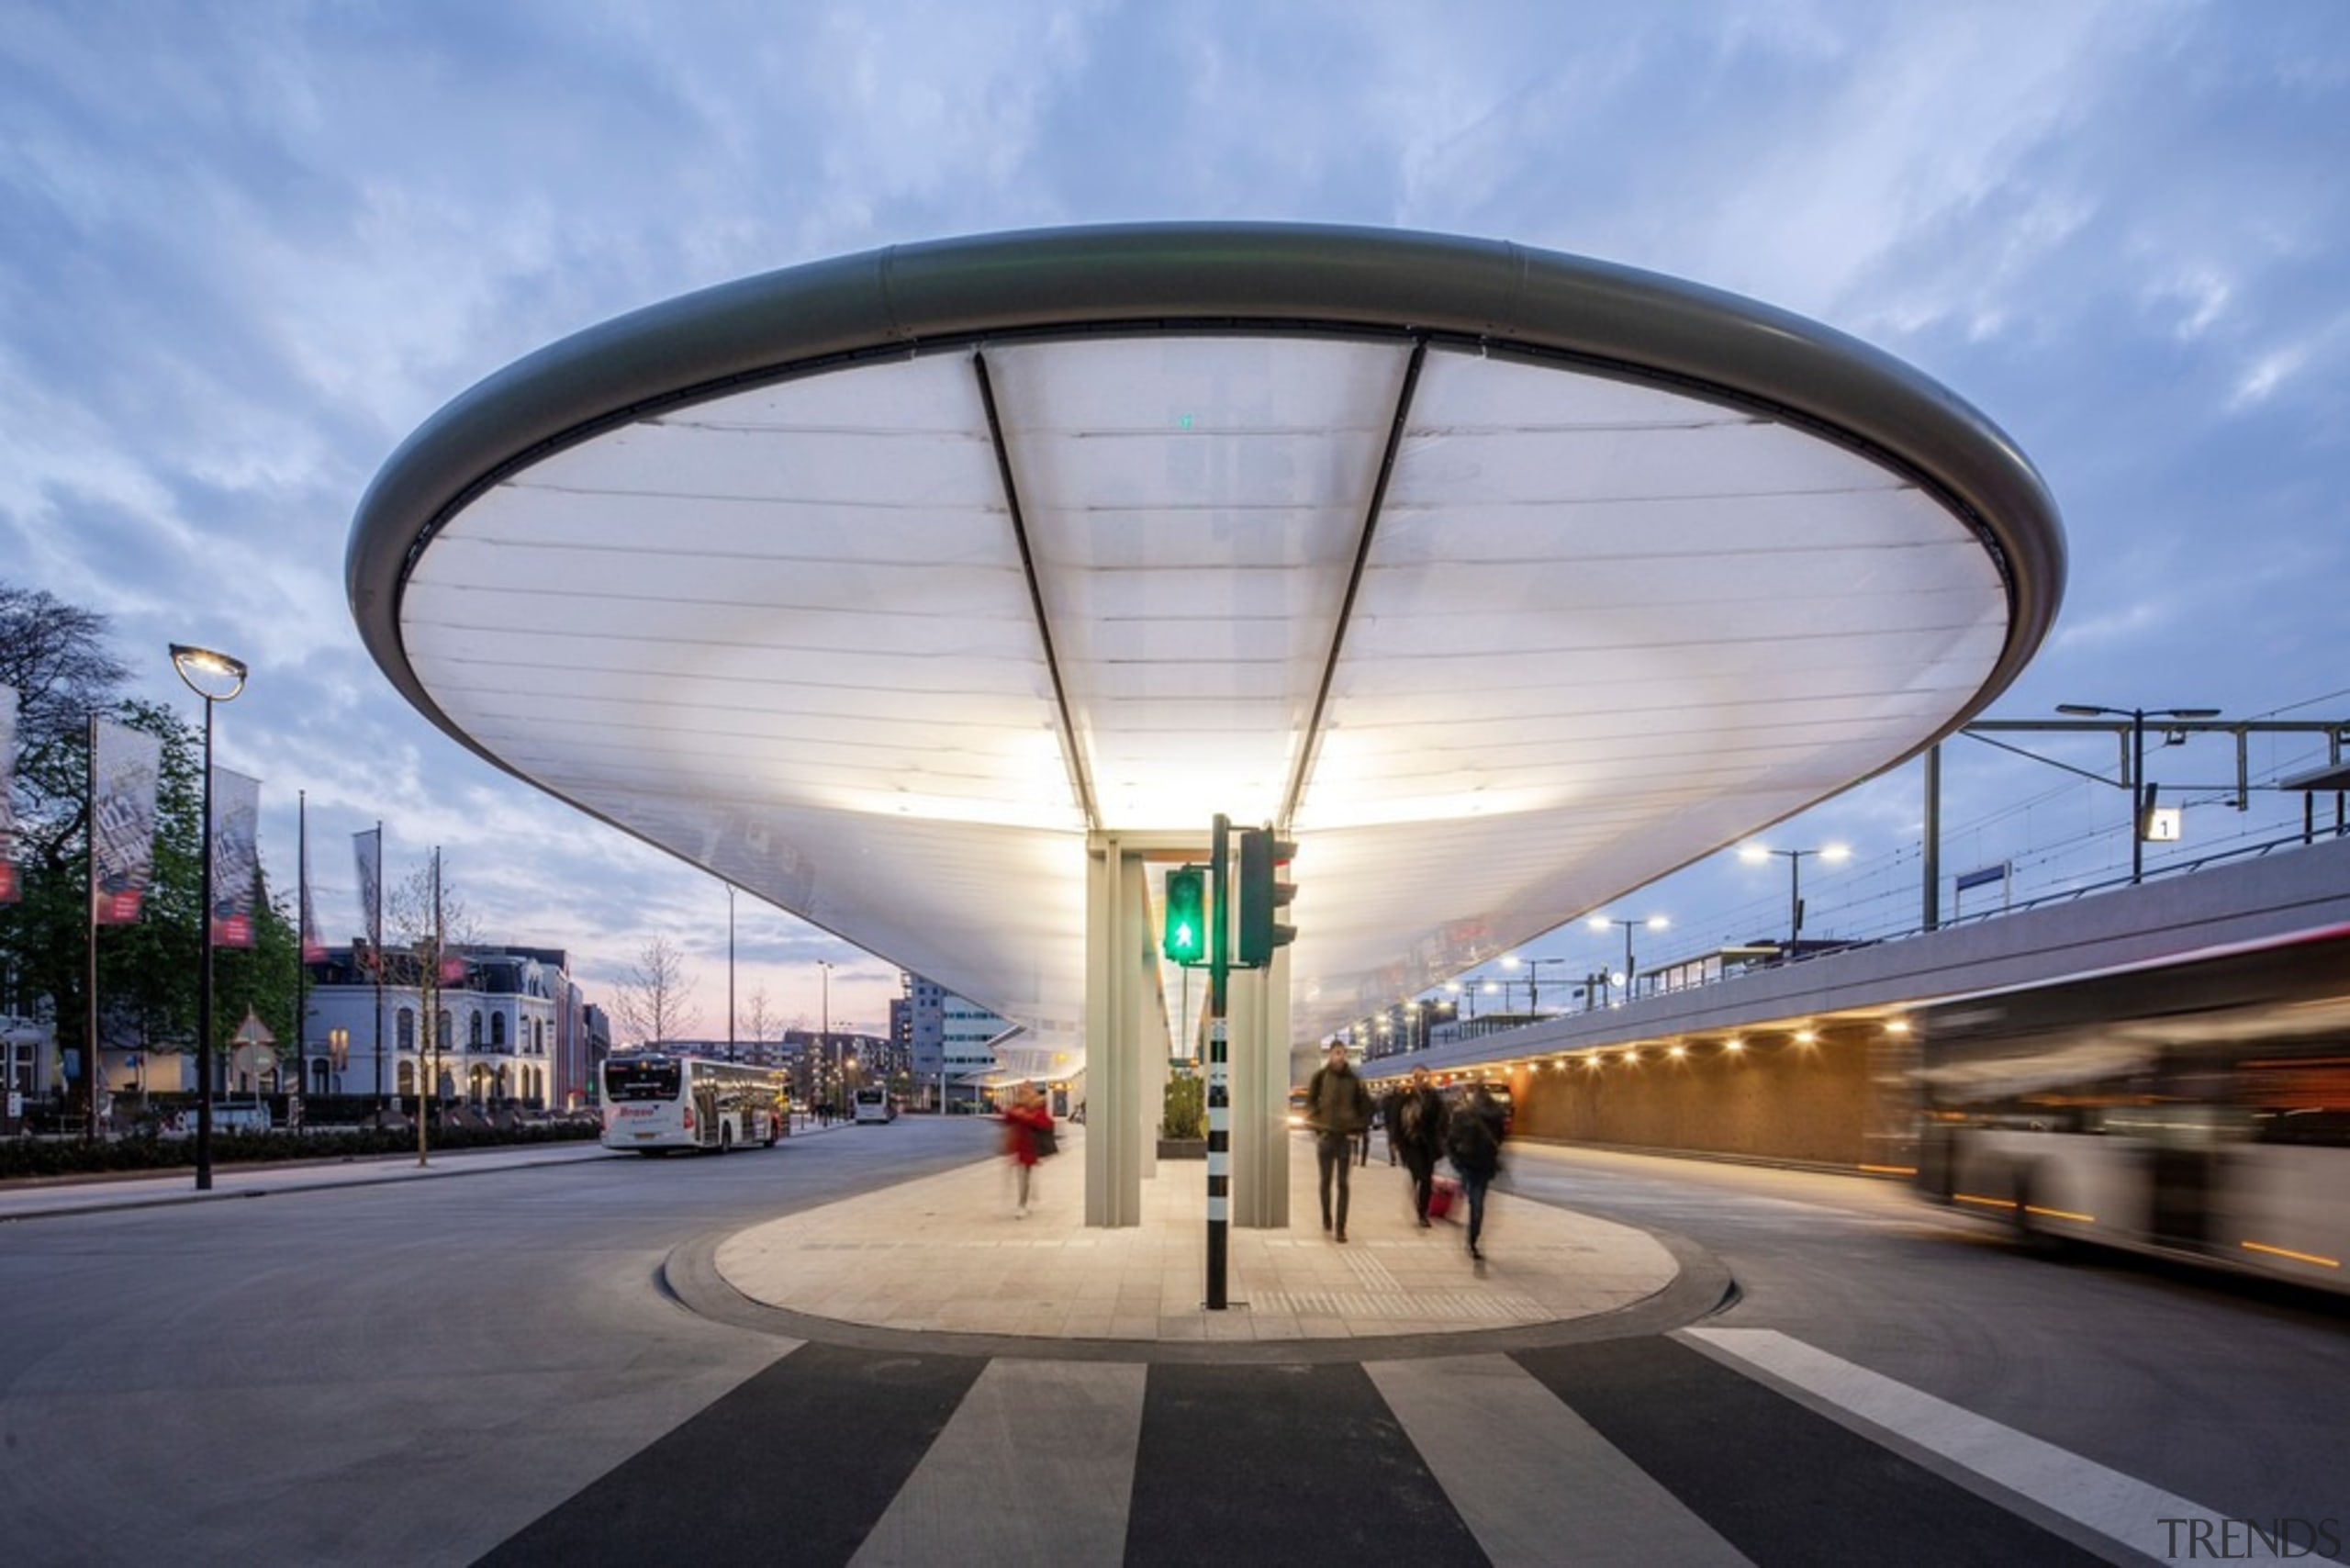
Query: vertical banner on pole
x=8 y=894
x=124 y=768
x=314 y=949
x=236 y=856
x=367 y=851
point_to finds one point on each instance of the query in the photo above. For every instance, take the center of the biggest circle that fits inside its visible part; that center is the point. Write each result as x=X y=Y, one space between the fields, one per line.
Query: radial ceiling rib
x=1309 y=742
x=1079 y=779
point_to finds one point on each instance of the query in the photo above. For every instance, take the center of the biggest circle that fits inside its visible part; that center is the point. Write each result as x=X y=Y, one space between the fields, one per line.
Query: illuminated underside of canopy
x=1508 y=581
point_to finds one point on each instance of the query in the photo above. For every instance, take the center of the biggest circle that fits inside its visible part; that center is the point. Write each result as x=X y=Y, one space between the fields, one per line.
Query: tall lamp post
x=1758 y=855
x=824 y=968
x=1653 y=922
x=2141 y=804
x=216 y=678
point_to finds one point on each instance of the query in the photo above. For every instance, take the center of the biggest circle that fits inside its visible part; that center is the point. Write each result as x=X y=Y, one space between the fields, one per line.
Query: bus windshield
x=654 y=1078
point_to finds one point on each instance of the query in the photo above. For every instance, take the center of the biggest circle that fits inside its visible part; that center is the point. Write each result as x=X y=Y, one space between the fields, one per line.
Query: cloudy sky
x=245 y=249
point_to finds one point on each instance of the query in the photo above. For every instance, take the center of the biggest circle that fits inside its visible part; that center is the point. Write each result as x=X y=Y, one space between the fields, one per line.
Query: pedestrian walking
x=1029 y=1137
x=1416 y=1131
x=1387 y=1103
x=1472 y=1141
x=1337 y=1107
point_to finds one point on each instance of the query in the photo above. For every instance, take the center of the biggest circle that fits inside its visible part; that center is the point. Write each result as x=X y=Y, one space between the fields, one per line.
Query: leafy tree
x=55 y=655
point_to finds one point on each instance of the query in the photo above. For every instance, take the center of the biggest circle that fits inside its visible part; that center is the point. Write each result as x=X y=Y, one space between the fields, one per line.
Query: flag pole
x=90 y=955
x=301 y=955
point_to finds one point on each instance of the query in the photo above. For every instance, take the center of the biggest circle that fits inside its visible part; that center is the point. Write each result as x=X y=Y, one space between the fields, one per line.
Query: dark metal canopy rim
x=1494 y=296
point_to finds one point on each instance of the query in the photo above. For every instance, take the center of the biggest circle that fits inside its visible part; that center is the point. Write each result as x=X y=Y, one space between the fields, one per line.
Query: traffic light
x=1262 y=894
x=1185 y=940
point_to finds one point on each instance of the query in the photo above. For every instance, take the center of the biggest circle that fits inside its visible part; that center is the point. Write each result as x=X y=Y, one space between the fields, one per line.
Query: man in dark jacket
x=1337 y=1107
x=1416 y=1131
x=1472 y=1141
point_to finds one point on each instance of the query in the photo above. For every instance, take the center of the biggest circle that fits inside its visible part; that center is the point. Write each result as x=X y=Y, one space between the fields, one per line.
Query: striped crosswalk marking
x=1531 y=1479
x=1035 y=1467
x=2117 y=1506
x=1723 y=1448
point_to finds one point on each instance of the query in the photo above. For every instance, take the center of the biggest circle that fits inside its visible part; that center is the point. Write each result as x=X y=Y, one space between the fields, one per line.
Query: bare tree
x=655 y=1003
x=427 y=930
x=759 y=1016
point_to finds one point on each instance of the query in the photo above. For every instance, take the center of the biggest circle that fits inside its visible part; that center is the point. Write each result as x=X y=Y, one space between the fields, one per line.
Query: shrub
x=147 y=1151
x=1185 y=1114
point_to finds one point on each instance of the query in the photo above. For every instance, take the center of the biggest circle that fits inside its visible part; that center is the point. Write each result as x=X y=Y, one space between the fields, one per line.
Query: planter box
x=1182 y=1149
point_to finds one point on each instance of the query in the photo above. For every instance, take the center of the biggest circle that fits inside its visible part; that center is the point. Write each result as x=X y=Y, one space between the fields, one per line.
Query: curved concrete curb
x=1700 y=1286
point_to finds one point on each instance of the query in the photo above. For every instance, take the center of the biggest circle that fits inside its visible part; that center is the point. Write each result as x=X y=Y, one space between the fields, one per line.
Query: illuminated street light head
x=206 y=670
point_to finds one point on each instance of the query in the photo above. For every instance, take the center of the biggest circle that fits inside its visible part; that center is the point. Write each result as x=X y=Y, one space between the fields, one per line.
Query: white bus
x=872 y=1104
x=654 y=1103
x=2198 y=1109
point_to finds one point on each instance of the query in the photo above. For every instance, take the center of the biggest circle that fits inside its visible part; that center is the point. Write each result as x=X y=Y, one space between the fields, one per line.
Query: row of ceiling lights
x=1593 y=1057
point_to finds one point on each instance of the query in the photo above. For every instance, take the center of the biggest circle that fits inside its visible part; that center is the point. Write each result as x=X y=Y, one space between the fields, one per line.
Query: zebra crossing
x=1704 y=1445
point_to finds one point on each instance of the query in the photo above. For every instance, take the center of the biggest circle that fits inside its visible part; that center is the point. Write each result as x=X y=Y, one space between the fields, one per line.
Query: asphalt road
x=489 y=1365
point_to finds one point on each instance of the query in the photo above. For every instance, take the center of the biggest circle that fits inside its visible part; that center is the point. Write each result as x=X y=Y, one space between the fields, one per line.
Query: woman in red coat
x=1023 y=1121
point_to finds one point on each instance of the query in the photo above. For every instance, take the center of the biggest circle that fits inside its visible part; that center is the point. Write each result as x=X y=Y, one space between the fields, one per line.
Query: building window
x=473 y=1029
x=407 y=1031
x=407 y=1078
x=445 y=1037
x=498 y=1031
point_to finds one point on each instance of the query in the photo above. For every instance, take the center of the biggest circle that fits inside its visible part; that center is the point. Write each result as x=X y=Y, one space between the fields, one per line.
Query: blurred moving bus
x=654 y=1102
x=871 y=1103
x=2197 y=1109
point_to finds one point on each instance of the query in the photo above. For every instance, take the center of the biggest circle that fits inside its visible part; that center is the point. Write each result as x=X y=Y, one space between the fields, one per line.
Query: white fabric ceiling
x=1596 y=625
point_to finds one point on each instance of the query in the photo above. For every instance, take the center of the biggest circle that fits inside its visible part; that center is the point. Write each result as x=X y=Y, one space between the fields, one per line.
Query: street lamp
x=2140 y=800
x=826 y=966
x=1653 y=922
x=1758 y=855
x=216 y=678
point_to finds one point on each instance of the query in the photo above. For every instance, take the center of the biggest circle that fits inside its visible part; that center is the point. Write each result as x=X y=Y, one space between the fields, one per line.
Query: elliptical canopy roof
x=1505 y=581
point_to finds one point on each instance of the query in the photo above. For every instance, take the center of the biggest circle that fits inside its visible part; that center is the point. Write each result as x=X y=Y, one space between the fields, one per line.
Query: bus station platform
x=948 y=1259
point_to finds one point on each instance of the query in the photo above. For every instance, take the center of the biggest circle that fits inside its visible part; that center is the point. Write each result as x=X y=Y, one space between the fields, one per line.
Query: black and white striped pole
x=1219 y=1075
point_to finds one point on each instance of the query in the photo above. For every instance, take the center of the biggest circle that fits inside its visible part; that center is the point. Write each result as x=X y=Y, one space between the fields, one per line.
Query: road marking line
x=1036 y=1465
x=2120 y=1508
x=1552 y=1490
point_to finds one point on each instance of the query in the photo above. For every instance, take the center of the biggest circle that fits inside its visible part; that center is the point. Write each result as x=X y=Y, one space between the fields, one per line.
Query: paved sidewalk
x=83 y=1195
x=945 y=1254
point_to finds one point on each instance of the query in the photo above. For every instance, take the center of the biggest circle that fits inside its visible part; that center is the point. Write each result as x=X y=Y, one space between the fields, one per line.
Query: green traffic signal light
x=1185 y=940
